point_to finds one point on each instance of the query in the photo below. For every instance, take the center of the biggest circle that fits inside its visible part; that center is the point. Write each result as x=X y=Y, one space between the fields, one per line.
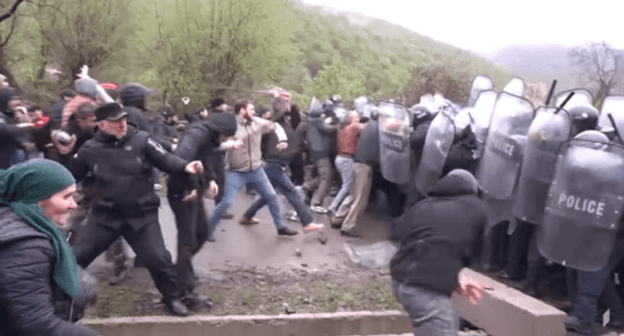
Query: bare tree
x=8 y=8
x=598 y=65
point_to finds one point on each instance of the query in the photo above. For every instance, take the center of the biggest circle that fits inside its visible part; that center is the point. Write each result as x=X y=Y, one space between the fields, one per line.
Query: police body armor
x=394 y=134
x=584 y=205
x=546 y=134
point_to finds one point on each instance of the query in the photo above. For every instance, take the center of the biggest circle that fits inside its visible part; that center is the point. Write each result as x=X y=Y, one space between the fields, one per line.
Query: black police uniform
x=125 y=203
x=198 y=143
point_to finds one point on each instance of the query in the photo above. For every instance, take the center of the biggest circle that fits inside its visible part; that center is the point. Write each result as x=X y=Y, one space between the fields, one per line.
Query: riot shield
x=504 y=146
x=315 y=104
x=581 y=97
x=584 y=205
x=546 y=134
x=340 y=112
x=482 y=113
x=437 y=145
x=394 y=134
x=479 y=84
x=515 y=87
x=615 y=106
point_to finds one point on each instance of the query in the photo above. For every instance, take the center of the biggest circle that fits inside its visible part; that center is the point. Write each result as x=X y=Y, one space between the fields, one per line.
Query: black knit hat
x=110 y=111
x=216 y=103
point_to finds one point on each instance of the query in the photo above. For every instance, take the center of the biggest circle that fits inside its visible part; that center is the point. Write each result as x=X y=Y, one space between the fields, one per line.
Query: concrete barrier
x=347 y=323
x=506 y=311
x=502 y=312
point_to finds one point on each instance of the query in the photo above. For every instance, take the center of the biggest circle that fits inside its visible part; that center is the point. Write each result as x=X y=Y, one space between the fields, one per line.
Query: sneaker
x=176 y=307
x=336 y=226
x=319 y=209
x=313 y=227
x=293 y=218
x=226 y=215
x=350 y=234
x=574 y=324
x=286 y=231
x=249 y=221
x=157 y=187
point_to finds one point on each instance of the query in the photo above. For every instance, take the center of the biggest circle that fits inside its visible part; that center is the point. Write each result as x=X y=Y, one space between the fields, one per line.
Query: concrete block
x=506 y=311
x=347 y=323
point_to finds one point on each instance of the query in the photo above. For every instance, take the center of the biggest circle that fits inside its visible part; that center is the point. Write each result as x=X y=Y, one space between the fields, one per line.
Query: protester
x=39 y=278
x=425 y=270
x=244 y=159
x=321 y=133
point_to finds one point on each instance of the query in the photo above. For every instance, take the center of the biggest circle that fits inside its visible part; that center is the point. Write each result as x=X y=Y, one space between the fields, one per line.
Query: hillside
x=382 y=51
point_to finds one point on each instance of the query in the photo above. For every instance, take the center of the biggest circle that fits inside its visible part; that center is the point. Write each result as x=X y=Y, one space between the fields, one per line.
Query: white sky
x=486 y=25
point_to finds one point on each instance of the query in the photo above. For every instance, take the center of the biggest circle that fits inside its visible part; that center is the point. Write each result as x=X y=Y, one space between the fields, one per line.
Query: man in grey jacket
x=244 y=157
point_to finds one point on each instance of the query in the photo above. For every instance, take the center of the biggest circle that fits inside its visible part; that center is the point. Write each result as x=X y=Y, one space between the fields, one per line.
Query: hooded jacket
x=321 y=136
x=368 y=146
x=200 y=141
x=442 y=231
x=10 y=135
x=248 y=157
x=31 y=303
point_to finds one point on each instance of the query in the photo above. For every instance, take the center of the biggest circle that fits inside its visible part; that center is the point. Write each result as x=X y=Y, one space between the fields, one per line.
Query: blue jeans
x=344 y=165
x=236 y=181
x=432 y=313
x=592 y=284
x=281 y=182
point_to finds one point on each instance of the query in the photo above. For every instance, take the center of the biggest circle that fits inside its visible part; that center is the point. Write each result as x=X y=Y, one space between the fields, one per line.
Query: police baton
x=564 y=102
x=617 y=132
x=552 y=90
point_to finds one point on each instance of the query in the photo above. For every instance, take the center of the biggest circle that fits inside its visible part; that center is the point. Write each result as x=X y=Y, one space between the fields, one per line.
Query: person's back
x=441 y=231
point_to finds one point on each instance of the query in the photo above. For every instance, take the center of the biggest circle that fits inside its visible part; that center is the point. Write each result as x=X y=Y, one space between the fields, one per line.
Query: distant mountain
x=538 y=62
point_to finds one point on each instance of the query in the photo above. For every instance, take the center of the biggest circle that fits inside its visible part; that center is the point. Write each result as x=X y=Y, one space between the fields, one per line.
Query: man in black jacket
x=321 y=143
x=12 y=135
x=186 y=196
x=443 y=230
x=275 y=168
x=121 y=159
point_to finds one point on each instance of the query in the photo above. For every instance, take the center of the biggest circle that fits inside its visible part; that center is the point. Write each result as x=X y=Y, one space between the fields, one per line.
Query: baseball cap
x=110 y=111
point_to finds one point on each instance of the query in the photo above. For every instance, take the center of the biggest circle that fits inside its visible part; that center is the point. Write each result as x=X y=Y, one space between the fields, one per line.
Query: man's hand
x=63 y=149
x=472 y=289
x=213 y=189
x=194 y=167
x=191 y=196
x=281 y=146
x=84 y=72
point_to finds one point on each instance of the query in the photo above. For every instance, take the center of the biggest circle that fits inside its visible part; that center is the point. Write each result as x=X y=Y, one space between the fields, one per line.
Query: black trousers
x=94 y=238
x=522 y=249
x=192 y=223
x=219 y=170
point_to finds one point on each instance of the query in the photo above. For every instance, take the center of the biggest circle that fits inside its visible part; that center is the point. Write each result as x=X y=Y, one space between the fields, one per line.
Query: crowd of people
x=104 y=149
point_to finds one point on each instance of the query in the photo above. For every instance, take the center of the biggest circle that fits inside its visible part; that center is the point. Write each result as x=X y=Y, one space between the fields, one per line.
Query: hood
x=223 y=123
x=5 y=97
x=134 y=95
x=13 y=227
x=456 y=183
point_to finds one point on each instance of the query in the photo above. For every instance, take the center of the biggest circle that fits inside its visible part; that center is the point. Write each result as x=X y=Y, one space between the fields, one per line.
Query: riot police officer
x=120 y=157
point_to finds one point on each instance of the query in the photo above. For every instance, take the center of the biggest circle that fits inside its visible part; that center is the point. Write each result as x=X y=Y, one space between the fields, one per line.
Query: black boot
x=529 y=285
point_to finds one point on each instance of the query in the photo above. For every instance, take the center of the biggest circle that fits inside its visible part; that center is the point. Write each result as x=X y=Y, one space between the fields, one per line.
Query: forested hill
x=394 y=60
x=206 y=48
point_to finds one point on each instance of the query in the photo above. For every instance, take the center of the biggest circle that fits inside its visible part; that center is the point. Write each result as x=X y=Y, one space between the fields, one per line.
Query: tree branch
x=11 y=11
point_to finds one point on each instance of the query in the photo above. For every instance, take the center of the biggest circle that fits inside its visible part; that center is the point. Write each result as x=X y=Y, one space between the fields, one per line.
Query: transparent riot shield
x=394 y=132
x=546 y=134
x=504 y=146
x=482 y=114
x=581 y=97
x=438 y=143
x=615 y=106
x=584 y=205
x=515 y=87
x=479 y=84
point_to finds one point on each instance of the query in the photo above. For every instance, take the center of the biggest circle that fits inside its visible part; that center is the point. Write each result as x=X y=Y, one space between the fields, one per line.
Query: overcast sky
x=486 y=25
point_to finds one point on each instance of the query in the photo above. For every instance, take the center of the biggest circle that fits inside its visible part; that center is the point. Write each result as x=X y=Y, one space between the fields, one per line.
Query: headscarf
x=21 y=187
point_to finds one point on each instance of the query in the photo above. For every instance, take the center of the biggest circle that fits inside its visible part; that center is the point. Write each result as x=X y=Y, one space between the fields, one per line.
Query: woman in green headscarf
x=38 y=271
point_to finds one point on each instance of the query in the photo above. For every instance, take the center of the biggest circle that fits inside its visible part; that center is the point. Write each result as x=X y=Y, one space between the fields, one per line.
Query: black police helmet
x=584 y=117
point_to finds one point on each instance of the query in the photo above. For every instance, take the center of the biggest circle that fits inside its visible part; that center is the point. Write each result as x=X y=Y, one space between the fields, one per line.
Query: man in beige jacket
x=244 y=158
